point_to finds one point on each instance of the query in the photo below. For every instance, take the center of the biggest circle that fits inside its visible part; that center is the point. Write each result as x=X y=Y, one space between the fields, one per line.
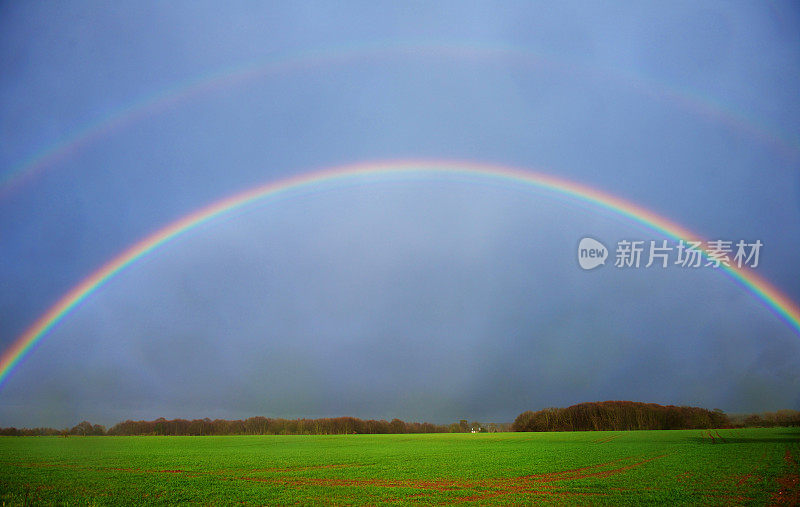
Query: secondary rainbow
x=363 y=173
x=182 y=91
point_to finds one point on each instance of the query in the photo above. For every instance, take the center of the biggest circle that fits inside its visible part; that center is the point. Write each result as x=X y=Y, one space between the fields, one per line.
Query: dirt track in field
x=606 y=439
x=551 y=484
x=545 y=484
x=789 y=492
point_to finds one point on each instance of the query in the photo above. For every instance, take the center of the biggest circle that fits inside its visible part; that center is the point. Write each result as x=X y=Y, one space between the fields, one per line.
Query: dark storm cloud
x=428 y=300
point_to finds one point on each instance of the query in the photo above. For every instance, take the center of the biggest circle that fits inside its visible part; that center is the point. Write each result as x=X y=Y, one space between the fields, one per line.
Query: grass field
x=748 y=466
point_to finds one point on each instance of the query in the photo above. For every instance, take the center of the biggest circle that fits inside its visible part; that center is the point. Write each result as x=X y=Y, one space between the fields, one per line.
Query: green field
x=747 y=466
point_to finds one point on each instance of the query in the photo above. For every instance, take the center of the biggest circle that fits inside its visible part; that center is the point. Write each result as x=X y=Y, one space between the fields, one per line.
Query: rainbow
x=360 y=174
x=183 y=91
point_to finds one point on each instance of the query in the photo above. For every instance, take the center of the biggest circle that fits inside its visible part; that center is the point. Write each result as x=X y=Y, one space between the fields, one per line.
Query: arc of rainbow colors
x=773 y=298
x=184 y=90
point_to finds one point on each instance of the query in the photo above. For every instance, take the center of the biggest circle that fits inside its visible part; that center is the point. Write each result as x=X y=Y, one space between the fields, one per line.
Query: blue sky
x=426 y=300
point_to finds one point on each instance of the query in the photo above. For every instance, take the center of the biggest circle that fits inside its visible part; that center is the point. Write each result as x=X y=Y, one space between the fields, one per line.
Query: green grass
x=749 y=467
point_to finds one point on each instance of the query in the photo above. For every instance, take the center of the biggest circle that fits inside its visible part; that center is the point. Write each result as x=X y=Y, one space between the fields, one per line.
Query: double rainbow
x=364 y=173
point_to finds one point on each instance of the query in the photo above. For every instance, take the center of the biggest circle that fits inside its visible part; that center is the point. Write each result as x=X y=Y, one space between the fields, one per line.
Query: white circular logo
x=591 y=253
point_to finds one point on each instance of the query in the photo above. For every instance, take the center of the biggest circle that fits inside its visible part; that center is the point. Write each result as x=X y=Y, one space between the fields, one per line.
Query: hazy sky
x=433 y=299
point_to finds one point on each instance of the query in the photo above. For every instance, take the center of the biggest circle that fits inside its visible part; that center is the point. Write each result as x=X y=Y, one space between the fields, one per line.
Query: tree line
x=767 y=419
x=606 y=415
x=620 y=416
x=269 y=426
x=259 y=426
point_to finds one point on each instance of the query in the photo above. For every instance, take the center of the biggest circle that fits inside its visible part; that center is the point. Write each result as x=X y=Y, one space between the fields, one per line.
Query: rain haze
x=428 y=296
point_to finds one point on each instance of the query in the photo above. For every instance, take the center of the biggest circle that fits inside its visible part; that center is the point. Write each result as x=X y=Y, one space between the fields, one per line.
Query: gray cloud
x=432 y=299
